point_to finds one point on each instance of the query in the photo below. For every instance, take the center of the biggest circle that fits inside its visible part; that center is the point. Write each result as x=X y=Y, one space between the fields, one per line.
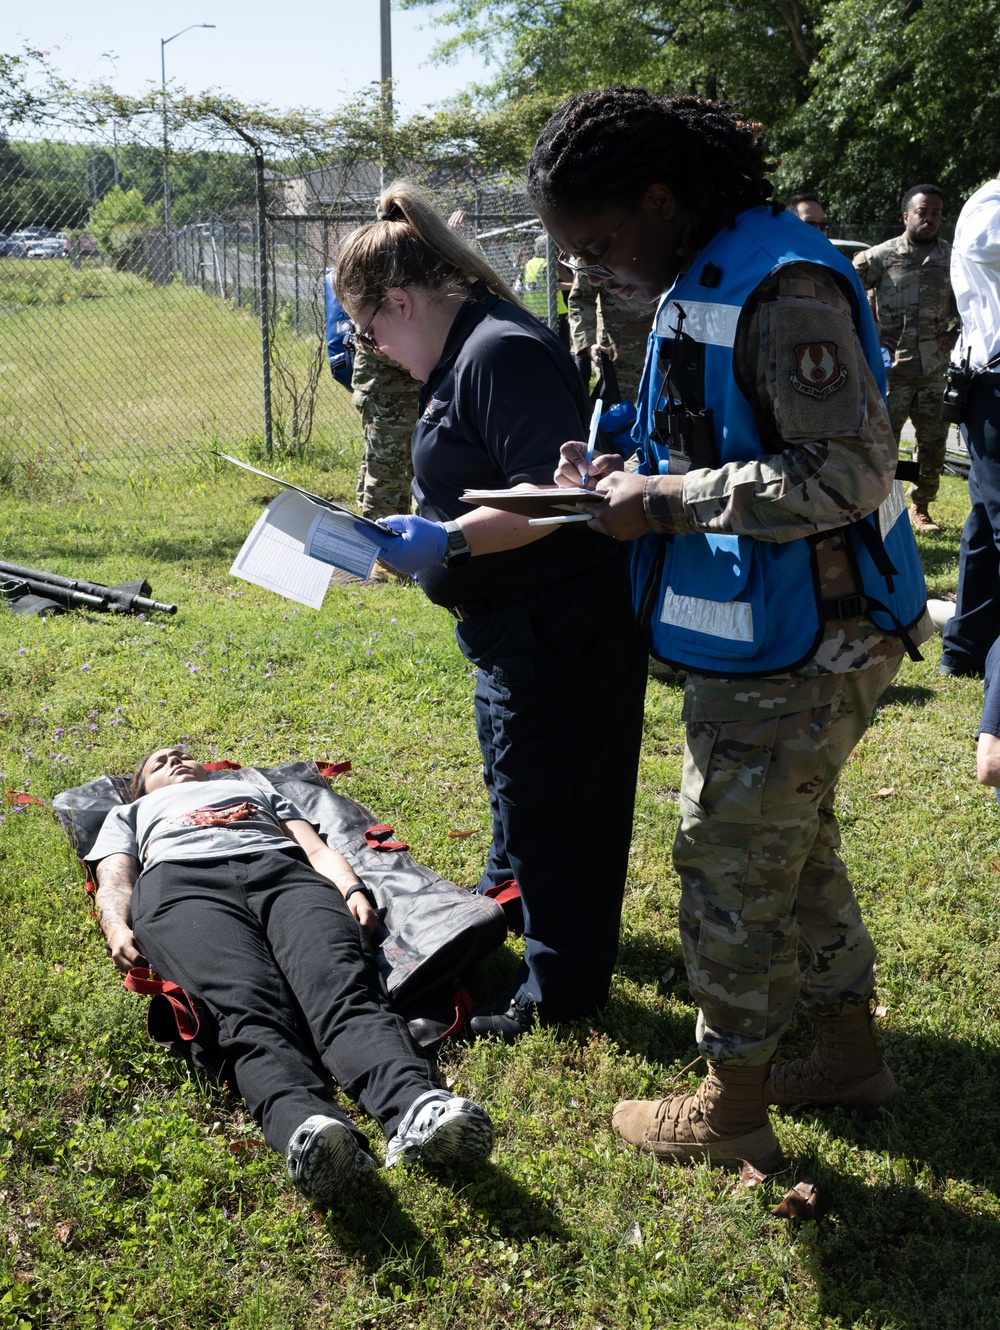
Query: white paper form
x=274 y=554
x=334 y=539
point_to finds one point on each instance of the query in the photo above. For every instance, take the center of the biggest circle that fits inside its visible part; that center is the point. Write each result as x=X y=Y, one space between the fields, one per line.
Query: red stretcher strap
x=141 y=979
x=16 y=797
x=380 y=837
x=222 y=765
x=504 y=892
x=332 y=768
x=463 y=1010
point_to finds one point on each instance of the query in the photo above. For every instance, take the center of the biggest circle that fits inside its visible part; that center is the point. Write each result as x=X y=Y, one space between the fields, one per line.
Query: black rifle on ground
x=20 y=585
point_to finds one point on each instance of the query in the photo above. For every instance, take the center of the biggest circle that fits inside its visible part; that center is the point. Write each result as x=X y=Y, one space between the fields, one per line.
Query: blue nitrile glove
x=418 y=545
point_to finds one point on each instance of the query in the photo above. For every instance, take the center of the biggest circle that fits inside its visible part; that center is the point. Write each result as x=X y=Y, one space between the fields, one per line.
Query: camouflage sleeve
x=582 y=302
x=869 y=267
x=820 y=410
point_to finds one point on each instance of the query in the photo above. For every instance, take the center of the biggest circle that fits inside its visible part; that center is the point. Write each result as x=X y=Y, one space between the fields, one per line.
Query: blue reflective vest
x=734 y=605
x=340 y=352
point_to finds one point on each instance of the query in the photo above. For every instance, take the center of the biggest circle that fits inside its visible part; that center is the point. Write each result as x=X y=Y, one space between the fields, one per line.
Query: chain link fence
x=125 y=346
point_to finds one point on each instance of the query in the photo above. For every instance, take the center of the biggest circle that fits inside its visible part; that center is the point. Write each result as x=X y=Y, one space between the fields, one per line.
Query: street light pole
x=166 y=142
x=385 y=30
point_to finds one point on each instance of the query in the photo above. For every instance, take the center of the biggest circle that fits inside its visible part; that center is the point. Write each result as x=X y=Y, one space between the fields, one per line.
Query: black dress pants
x=271 y=948
x=559 y=705
x=975 y=626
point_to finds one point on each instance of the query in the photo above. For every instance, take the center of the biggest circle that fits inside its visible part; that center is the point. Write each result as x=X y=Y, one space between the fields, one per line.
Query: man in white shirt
x=975 y=279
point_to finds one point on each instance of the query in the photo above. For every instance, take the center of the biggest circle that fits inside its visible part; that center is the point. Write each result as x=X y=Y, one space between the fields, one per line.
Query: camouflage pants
x=386 y=396
x=918 y=398
x=767 y=910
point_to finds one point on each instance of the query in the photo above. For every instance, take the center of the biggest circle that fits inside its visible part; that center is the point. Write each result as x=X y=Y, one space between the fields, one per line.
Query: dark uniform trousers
x=273 y=951
x=975 y=626
x=559 y=700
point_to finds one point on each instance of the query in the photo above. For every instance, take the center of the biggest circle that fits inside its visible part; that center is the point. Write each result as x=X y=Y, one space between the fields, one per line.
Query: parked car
x=49 y=248
x=11 y=248
x=29 y=235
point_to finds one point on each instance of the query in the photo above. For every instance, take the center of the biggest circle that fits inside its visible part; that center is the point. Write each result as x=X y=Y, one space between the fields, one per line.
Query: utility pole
x=166 y=142
x=385 y=29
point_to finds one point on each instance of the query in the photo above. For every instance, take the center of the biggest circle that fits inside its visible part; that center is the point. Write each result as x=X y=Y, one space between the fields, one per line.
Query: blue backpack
x=338 y=325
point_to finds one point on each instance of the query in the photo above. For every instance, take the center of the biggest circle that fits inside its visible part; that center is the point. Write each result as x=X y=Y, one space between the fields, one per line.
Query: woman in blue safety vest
x=543 y=612
x=772 y=560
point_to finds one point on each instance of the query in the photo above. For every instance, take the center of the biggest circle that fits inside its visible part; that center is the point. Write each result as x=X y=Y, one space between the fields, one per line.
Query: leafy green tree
x=119 y=222
x=903 y=91
x=754 y=52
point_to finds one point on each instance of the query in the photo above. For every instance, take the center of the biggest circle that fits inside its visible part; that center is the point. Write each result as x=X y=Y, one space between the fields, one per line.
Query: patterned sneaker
x=440 y=1129
x=325 y=1160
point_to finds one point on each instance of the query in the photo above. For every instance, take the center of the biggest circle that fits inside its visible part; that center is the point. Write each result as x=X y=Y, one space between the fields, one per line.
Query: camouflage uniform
x=910 y=293
x=767 y=911
x=386 y=395
x=597 y=318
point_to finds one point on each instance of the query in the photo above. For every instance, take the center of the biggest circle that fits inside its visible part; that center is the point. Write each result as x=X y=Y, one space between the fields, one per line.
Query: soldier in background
x=808 y=209
x=386 y=396
x=599 y=321
x=910 y=293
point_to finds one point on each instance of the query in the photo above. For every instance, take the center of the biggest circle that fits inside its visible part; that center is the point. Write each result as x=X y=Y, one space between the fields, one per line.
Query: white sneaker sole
x=461 y=1138
x=326 y=1161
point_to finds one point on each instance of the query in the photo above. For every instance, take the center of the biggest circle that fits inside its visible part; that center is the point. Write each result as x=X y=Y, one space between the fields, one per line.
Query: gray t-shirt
x=197 y=820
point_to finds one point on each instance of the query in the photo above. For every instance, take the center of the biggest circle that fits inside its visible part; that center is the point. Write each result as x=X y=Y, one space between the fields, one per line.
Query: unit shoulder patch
x=817 y=371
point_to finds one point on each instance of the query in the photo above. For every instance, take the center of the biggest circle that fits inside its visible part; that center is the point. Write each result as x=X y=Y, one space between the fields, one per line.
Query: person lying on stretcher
x=224 y=888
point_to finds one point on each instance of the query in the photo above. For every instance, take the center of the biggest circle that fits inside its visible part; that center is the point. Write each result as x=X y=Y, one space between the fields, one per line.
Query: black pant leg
x=975 y=625
x=318 y=946
x=564 y=680
x=194 y=926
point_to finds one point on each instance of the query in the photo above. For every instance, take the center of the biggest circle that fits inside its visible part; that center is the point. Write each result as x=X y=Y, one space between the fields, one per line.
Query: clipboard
x=553 y=501
x=314 y=498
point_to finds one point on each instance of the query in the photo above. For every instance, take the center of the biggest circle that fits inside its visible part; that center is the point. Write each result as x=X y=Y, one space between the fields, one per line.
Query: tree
x=756 y=53
x=119 y=222
x=903 y=92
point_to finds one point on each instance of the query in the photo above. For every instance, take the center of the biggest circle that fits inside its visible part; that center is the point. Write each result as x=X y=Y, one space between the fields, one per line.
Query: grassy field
x=132 y=1196
x=97 y=365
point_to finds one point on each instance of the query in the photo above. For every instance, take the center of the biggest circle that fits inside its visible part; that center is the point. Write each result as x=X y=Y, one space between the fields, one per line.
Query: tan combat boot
x=725 y=1120
x=921 y=520
x=846 y=1067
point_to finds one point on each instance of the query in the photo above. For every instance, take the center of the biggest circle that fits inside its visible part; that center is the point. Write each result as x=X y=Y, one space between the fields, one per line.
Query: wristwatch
x=458 y=552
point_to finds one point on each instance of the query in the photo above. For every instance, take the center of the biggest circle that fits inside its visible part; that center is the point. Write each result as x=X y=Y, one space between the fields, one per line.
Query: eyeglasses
x=820 y=226
x=599 y=269
x=361 y=336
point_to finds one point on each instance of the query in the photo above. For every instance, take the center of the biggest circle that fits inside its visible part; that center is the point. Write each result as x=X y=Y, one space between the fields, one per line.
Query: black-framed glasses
x=820 y=226
x=361 y=336
x=599 y=269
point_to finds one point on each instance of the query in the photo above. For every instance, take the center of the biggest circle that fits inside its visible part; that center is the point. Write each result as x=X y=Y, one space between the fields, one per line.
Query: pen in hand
x=595 y=425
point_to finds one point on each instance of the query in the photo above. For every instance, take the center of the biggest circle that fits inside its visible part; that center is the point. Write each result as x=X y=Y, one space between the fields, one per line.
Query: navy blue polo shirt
x=497 y=407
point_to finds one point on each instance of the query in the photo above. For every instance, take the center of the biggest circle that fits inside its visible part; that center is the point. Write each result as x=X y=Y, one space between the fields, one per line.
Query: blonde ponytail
x=410 y=241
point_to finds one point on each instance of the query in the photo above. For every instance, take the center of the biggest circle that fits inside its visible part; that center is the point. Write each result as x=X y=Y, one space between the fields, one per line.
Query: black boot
x=518 y=1019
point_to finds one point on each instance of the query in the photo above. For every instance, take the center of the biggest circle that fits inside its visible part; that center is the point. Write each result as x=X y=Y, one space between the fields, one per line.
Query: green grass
x=132 y=1196
x=103 y=373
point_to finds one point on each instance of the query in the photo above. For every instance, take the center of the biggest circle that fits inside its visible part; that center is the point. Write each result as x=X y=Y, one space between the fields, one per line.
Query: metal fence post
x=265 y=332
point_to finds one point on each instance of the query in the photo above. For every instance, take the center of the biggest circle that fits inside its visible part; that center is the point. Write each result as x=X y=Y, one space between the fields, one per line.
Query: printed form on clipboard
x=299 y=539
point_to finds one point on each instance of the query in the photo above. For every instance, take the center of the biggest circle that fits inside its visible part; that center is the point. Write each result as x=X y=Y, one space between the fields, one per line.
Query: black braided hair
x=603 y=148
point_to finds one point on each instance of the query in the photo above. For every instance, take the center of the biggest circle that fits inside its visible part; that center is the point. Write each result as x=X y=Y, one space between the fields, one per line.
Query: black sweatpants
x=271 y=948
